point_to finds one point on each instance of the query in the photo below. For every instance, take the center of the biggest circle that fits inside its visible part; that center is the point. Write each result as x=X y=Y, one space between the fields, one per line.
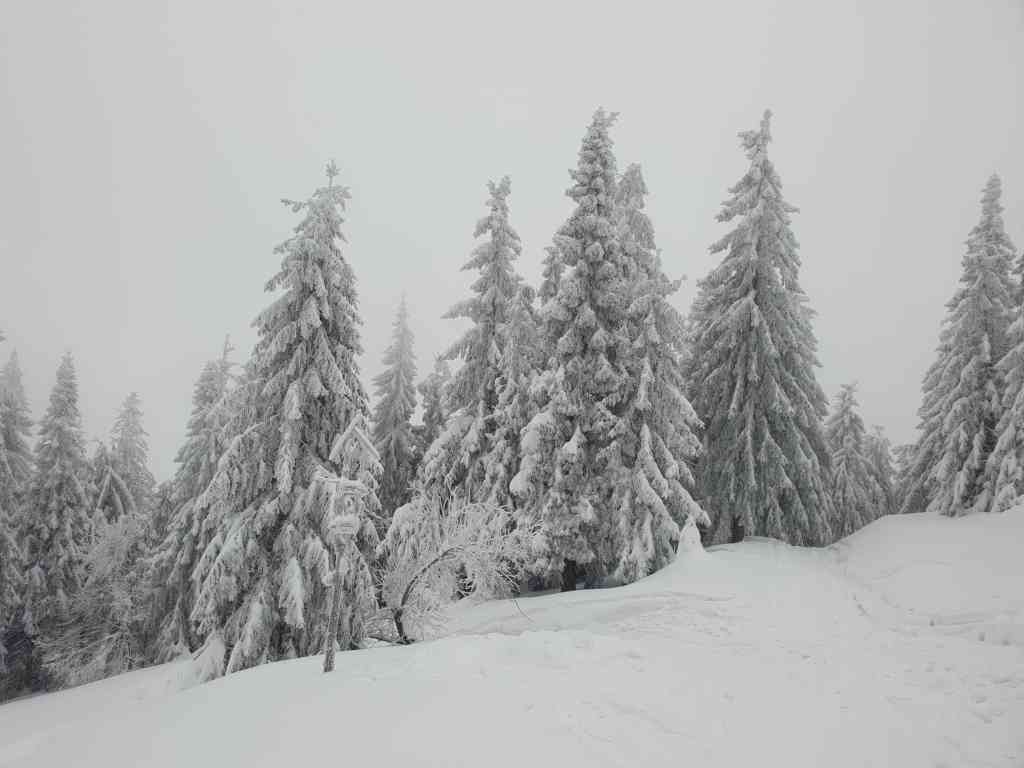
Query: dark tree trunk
x=398 y=613
x=569 y=575
x=184 y=622
x=738 y=532
x=592 y=575
x=335 y=617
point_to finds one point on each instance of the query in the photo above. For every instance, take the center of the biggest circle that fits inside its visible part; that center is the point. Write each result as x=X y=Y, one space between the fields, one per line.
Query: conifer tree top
x=488 y=307
x=989 y=234
x=594 y=175
x=60 y=432
x=63 y=408
x=845 y=427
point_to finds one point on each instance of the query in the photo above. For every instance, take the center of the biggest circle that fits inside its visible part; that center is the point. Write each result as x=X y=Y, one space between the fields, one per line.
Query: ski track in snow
x=902 y=645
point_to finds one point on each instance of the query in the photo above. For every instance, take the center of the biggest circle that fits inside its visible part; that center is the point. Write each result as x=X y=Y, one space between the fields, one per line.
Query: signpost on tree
x=345 y=511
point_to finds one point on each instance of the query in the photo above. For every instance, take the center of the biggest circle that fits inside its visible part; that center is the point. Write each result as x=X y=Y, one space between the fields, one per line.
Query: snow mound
x=960 y=576
x=866 y=653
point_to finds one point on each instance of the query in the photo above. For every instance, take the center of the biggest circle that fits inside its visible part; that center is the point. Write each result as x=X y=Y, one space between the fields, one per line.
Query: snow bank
x=753 y=654
x=962 y=576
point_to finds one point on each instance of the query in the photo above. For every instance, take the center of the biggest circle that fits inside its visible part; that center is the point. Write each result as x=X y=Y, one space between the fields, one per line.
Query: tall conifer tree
x=57 y=523
x=963 y=390
x=765 y=466
x=16 y=426
x=15 y=471
x=187 y=535
x=567 y=478
x=853 y=486
x=1004 y=468
x=521 y=358
x=396 y=401
x=658 y=440
x=130 y=451
x=880 y=460
x=264 y=578
x=453 y=463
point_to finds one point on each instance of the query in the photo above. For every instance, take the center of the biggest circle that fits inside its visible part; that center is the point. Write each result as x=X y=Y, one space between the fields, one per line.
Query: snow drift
x=902 y=645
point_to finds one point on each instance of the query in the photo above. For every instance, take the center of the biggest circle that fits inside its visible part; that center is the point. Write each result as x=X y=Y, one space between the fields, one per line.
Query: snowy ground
x=901 y=646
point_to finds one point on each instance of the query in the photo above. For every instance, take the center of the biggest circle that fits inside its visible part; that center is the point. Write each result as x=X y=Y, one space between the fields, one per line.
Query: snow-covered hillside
x=900 y=646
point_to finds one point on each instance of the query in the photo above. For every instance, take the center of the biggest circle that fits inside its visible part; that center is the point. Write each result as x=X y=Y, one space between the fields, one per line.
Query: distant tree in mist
x=392 y=427
x=453 y=463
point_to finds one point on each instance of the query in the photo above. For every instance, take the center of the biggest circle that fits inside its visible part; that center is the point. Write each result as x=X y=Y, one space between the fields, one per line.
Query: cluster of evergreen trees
x=592 y=407
x=588 y=410
x=58 y=509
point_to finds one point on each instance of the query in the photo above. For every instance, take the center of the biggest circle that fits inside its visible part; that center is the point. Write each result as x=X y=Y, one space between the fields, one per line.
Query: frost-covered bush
x=438 y=552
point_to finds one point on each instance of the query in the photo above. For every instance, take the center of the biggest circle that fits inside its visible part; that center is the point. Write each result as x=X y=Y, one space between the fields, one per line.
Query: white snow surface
x=901 y=645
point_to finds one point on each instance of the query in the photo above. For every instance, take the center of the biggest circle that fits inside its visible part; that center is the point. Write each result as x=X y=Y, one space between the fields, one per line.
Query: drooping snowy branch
x=437 y=551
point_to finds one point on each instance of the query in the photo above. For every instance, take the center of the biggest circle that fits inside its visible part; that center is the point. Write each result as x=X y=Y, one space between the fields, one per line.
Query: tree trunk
x=569 y=576
x=400 y=627
x=332 y=623
x=397 y=613
x=737 y=533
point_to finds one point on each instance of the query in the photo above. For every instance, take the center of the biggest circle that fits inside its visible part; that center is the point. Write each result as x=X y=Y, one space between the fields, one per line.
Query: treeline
x=586 y=425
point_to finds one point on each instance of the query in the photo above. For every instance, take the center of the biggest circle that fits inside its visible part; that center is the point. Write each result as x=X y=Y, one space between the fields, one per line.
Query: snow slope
x=902 y=645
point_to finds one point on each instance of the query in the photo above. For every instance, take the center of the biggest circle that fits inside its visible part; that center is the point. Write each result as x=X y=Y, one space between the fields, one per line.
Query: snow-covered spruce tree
x=11 y=562
x=130 y=451
x=879 y=454
x=567 y=477
x=853 y=486
x=1004 y=469
x=521 y=358
x=214 y=406
x=212 y=409
x=453 y=463
x=56 y=525
x=10 y=555
x=433 y=395
x=765 y=466
x=16 y=426
x=396 y=401
x=963 y=390
x=915 y=462
x=658 y=423
x=15 y=472
x=263 y=580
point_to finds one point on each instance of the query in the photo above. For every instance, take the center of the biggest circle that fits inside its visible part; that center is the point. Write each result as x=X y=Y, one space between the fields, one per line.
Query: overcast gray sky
x=144 y=147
